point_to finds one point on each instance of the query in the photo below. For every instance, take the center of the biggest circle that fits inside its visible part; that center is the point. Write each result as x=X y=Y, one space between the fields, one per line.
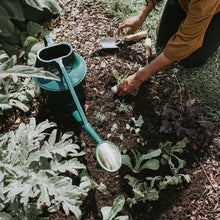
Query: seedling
x=120 y=80
x=121 y=106
x=141 y=142
x=137 y=125
x=99 y=117
x=114 y=128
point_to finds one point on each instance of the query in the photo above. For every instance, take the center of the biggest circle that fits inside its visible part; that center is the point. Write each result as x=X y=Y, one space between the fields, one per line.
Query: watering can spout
x=47 y=40
x=87 y=127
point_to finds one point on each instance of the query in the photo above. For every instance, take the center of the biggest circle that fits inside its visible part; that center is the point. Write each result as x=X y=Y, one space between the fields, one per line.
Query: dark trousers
x=170 y=21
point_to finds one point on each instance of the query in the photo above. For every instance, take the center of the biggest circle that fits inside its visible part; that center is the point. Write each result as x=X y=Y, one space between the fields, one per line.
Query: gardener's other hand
x=133 y=22
x=129 y=86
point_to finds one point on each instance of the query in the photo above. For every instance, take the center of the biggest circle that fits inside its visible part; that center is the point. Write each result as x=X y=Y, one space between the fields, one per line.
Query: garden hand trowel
x=110 y=42
x=147 y=54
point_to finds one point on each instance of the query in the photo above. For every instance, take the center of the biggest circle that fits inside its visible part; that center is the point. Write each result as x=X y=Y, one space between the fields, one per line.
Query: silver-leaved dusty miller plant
x=31 y=164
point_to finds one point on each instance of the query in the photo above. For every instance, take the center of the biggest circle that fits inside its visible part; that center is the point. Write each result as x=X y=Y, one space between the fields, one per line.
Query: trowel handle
x=48 y=41
x=147 y=45
x=138 y=35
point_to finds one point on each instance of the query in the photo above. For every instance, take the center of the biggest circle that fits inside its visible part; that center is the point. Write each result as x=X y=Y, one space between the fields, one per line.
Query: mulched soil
x=81 y=25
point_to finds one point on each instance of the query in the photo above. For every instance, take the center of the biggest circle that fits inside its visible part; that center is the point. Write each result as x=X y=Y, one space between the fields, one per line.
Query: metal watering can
x=71 y=68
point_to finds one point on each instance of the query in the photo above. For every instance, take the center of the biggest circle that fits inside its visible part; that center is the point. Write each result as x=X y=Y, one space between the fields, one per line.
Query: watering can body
x=55 y=94
x=63 y=96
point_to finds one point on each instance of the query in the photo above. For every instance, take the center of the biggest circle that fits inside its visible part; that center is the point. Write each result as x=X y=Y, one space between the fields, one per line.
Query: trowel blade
x=107 y=43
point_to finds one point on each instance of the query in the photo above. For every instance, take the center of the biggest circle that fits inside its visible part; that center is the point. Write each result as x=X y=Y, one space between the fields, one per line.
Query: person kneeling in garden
x=189 y=32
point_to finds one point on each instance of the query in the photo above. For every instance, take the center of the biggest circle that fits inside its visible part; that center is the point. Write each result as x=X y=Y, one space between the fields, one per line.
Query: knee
x=191 y=63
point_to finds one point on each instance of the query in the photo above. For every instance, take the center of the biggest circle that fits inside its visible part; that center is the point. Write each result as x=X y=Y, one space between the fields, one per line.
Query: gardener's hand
x=129 y=86
x=134 y=23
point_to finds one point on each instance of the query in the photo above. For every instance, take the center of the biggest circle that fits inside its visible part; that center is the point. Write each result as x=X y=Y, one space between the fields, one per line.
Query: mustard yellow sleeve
x=190 y=34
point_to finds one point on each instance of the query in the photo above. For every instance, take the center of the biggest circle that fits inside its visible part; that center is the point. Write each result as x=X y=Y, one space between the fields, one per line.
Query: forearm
x=148 y=7
x=132 y=83
x=157 y=64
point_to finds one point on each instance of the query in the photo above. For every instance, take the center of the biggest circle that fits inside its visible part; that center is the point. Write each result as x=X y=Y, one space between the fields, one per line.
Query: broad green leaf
x=29 y=43
x=6 y=27
x=5 y=216
x=18 y=104
x=180 y=145
x=31 y=47
x=54 y=208
x=14 y=9
x=153 y=180
x=87 y=183
x=3 y=56
x=7 y=64
x=10 y=49
x=152 y=164
x=25 y=71
x=132 y=181
x=71 y=165
x=166 y=146
x=51 y=5
x=138 y=161
x=127 y=161
x=5 y=106
x=34 y=28
x=152 y=195
x=173 y=180
x=43 y=182
x=151 y=155
x=67 y=194
x=109 y=213
x=105 y=212
x=52 y=137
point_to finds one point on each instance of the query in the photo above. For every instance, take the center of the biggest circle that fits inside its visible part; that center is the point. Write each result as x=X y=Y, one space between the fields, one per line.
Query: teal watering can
x=71 y=68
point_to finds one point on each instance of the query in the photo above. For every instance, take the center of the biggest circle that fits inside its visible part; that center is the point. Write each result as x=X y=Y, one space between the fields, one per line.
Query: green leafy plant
x=109 y=212
x=169 y=153
x=121 y=106
x=142 y=191
x=113 y=133
x=137 y=124
x=142 y=161
x=120 y=80
x=141 y=141
x=18 y=23
x=87 y=183
x=149 y=188
x=16 y=84
x=99 y=117
x=31 y=166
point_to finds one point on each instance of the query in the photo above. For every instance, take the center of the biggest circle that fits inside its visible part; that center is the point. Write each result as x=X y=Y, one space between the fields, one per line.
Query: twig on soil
x=180 y=89
x=206 y=175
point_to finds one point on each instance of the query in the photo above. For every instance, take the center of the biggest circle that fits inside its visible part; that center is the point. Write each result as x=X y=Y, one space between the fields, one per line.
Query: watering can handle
x=47 y=40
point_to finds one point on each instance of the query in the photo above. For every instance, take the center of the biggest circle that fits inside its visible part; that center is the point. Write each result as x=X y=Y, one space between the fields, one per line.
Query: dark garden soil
x=160 y=101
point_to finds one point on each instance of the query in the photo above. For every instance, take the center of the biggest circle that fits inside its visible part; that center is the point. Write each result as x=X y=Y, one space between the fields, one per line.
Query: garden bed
x=161 y=103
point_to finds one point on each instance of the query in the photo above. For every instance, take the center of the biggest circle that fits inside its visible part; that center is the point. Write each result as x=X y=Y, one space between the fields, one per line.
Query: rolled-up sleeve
x=191 y=32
